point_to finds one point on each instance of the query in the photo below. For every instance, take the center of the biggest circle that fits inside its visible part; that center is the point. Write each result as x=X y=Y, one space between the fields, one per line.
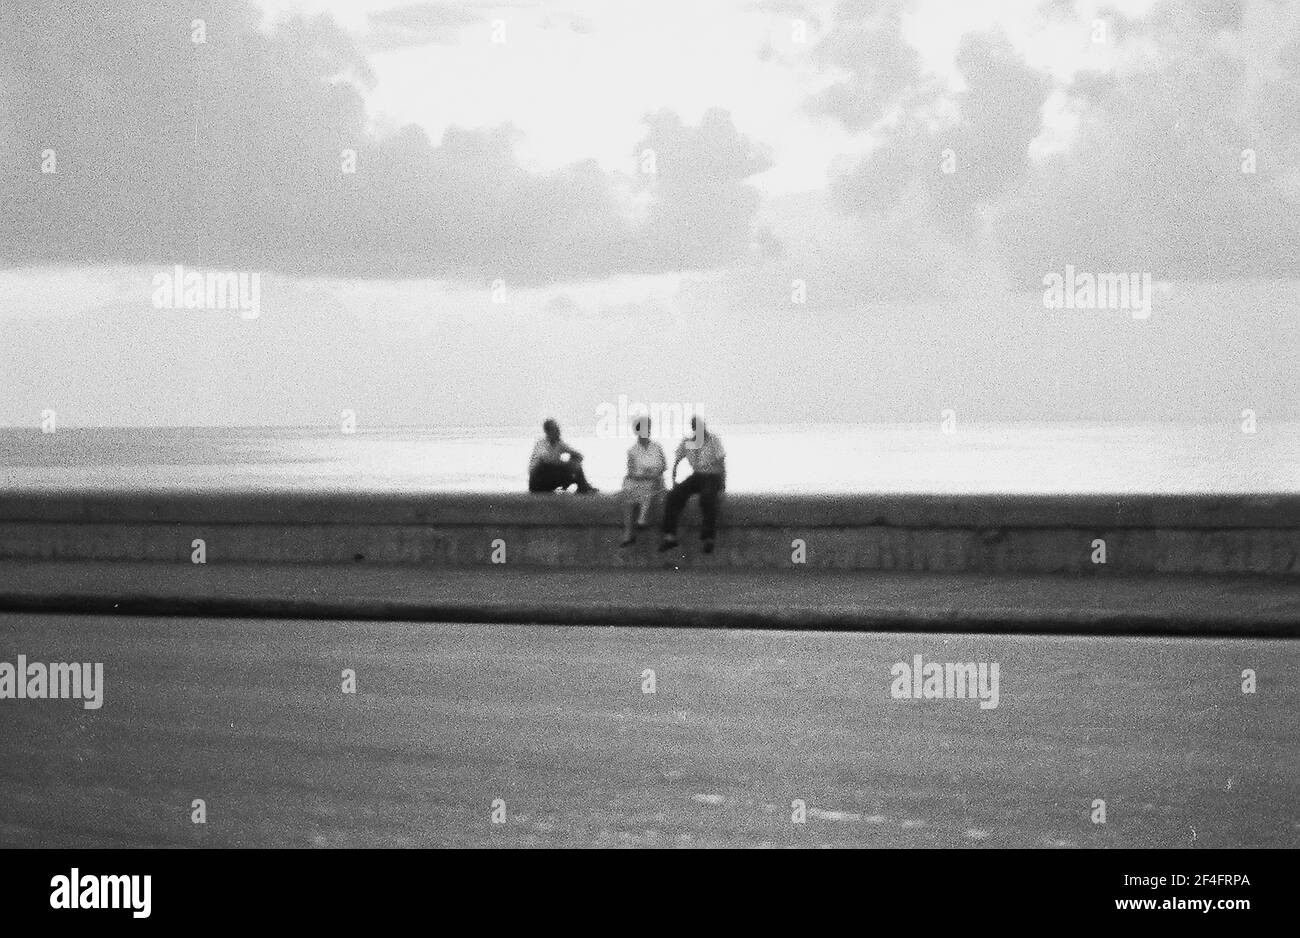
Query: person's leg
x=647 y=511
x=676 y=501
x=629 y=519
x=672 y=508
x=709 y=492
x=545 y=479
x=578 y=476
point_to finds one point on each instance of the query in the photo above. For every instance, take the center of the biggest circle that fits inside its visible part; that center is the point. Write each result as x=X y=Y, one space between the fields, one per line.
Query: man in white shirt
x=555 y=464
x=708 y=479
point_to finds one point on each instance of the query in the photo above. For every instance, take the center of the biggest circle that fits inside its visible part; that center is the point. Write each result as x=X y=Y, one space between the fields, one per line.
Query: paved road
x=249 y=716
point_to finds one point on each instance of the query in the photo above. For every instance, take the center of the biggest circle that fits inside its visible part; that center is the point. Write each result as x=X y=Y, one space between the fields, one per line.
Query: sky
x=466 y=212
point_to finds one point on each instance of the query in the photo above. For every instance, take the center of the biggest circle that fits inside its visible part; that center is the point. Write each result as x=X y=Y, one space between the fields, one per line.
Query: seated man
x=708 y=479
x=555 y=464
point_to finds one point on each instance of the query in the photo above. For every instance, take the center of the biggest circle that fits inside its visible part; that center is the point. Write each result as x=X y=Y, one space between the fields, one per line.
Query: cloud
x=1151 y=180
x=947 y=170
x=883 y=72
x=792 y=9
x=419 y=24
x=230 y=154
x=1154 y=180
x=700 y=216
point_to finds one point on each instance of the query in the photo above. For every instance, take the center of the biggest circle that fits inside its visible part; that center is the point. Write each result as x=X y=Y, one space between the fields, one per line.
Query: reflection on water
x=1047 y=458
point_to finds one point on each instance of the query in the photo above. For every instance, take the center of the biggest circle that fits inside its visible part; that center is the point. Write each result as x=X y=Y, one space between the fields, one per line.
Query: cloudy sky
x=555 y=203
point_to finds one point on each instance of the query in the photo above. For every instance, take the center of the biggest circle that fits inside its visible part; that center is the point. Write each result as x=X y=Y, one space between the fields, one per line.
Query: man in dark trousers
x=708 y=479
x=555 y=464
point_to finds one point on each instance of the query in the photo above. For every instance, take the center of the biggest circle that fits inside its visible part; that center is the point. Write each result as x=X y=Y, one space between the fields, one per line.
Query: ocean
x=883 y=458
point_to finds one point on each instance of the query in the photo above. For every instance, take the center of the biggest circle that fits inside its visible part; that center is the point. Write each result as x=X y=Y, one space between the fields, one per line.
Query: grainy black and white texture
x=995 y=305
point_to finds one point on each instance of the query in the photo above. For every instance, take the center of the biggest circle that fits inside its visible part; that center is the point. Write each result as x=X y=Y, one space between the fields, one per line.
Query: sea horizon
x=996 y=457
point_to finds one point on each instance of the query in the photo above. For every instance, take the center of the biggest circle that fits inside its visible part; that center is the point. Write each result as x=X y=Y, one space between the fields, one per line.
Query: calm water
x=1031 y=458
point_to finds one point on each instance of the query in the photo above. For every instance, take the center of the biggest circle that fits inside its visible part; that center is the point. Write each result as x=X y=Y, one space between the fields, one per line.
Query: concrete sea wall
x=1258 y=534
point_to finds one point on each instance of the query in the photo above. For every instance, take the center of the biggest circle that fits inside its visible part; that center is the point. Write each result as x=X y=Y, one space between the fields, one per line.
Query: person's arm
x=630 y=474
x=677 y=461
x=573 y=453
x=655 y=469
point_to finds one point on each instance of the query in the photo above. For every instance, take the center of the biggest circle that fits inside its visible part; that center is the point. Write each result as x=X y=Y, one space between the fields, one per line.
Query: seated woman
x=646 y=464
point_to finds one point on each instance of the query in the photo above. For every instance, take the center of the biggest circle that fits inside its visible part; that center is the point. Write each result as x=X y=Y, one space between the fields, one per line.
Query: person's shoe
x=708 y=545
x=627 y=541
x=668 y=543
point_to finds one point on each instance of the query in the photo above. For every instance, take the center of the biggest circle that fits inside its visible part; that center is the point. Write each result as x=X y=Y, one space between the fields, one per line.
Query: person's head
x=552 y=430
x=642 y=427
x=698 y=428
